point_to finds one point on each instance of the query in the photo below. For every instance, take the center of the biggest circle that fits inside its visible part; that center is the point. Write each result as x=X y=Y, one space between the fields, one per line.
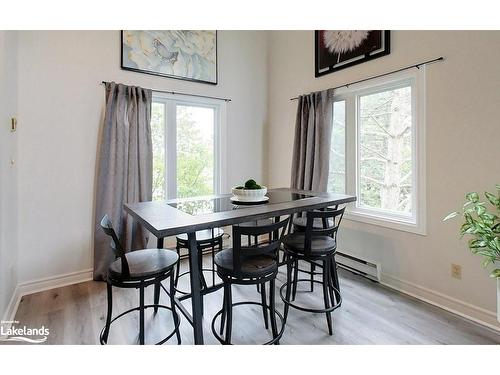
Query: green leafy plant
x=482 y=223
x=250 y=185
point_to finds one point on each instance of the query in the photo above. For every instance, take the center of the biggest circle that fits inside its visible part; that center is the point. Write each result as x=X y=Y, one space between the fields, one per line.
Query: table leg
x=159 y=243
x=196 y=297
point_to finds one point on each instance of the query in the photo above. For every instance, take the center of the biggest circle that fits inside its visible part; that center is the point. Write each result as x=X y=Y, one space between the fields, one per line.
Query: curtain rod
x=386 y=74
x=181 y=93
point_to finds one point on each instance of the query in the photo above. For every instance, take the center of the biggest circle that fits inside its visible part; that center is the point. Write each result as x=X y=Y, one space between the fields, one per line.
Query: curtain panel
x=124 y=170
x=311 y=148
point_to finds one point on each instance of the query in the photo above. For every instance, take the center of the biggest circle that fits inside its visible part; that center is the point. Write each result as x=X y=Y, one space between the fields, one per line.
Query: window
x=377 y=150
x=188 y=146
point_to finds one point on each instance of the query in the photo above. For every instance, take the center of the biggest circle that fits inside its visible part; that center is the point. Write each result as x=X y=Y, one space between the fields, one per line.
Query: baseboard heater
x=359 y=266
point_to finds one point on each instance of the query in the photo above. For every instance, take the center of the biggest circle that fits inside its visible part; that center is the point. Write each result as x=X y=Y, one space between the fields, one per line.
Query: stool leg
x=178 y=266
x=331 y=282
x=203 y=283
x=326 y=275
x=295 y=278
x=157 y=296
x=272 y=304
x=109 y=313
x=224 y=311
x=335 y=275
x=229 y=317
x=141 y=315
x=213 y=261
x=288 y=286
x=313 y=268
x=172 y=303
x=263 y=299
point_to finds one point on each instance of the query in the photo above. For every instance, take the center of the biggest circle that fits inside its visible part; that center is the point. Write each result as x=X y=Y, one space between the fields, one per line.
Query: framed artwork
x=340 y=49
x=182 y=54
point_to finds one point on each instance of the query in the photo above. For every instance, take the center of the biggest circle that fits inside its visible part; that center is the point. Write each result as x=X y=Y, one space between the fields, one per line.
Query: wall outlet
x=456 y=271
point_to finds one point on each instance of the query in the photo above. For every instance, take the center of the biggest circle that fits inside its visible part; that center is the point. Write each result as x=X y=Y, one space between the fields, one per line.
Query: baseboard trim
x=40 y=285
x=10 y=311
x=465 y=310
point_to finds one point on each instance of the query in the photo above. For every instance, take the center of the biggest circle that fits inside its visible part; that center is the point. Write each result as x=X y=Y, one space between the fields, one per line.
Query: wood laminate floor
x=370 y=314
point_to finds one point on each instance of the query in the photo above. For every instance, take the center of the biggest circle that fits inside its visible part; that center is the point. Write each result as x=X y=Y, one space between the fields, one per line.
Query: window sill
x=363 y=217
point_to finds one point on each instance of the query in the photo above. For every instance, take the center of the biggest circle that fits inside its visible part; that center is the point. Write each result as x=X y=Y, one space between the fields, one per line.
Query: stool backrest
x=118 y=250
x=274 y=235
x=331 y=219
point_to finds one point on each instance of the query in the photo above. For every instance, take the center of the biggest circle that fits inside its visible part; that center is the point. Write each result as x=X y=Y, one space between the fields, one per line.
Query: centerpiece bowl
x=250 y=195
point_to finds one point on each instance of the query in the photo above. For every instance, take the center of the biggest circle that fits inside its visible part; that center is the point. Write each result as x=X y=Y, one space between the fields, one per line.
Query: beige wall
x=60 y=104
x=463 y=153
x=8 y=171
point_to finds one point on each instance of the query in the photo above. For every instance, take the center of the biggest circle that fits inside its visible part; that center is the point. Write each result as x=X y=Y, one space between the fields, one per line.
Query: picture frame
x=340 y=49
x=189 y=55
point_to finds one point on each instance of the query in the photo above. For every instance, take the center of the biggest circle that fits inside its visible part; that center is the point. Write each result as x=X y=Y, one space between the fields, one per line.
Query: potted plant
x=250 y=192
x=482 y=225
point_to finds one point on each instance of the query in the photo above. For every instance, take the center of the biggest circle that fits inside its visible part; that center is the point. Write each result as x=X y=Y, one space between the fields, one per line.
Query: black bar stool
x=319 y=246
x=253 y=224
x=139 y=269
x=252 y=264
x=299 y=225
x=208 y=239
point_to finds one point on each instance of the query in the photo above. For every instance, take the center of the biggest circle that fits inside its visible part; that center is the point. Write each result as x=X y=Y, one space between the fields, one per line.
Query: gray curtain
x=125 y=167
x=311 y=147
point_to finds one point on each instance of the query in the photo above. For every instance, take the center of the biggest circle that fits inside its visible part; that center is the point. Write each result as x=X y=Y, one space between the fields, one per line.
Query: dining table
x=189 y=215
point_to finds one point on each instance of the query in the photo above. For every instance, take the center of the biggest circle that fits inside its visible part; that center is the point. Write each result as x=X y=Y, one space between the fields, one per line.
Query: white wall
x=59 y=111
x=60 y=107
x=8 y=173
x=463 y=153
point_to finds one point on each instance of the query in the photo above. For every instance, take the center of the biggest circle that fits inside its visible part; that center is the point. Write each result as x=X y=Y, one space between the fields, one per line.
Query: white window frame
x=220 y=139
x=351 y=95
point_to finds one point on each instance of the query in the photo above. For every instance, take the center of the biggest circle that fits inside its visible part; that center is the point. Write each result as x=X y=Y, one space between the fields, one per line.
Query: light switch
x=13 y=124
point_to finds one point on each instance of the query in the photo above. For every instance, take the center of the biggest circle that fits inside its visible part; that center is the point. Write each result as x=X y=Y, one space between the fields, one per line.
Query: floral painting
x=339 y=49
x=182 y=54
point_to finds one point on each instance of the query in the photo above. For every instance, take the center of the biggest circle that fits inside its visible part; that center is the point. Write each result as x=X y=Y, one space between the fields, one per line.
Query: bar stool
x=211 y=239
x=319 y=246
x=139 y=269
x=252 y=264
x=299 y=225
x=253 y=224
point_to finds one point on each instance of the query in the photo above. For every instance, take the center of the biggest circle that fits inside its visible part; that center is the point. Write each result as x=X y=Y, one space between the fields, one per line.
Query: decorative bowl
x=250 y=195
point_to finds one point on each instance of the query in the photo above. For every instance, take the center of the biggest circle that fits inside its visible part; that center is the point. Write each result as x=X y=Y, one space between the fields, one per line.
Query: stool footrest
x=176 y=317
x=271 y=342
x=308 y=309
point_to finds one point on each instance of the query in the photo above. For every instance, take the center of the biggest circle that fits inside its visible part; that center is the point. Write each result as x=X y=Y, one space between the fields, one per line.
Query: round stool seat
x=320 y=245
x=255 y=266
x=203 y=235
x=145 y=263
x=301 y=222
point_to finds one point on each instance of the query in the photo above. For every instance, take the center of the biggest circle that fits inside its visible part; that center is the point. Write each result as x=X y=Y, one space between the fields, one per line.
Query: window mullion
x=350 y=145
x=171 y=148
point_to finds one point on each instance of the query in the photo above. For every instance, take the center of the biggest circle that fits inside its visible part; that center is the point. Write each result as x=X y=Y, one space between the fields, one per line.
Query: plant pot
x=250 y=194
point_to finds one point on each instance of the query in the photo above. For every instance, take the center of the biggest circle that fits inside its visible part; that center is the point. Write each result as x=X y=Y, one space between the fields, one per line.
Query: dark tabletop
x=175 y=216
